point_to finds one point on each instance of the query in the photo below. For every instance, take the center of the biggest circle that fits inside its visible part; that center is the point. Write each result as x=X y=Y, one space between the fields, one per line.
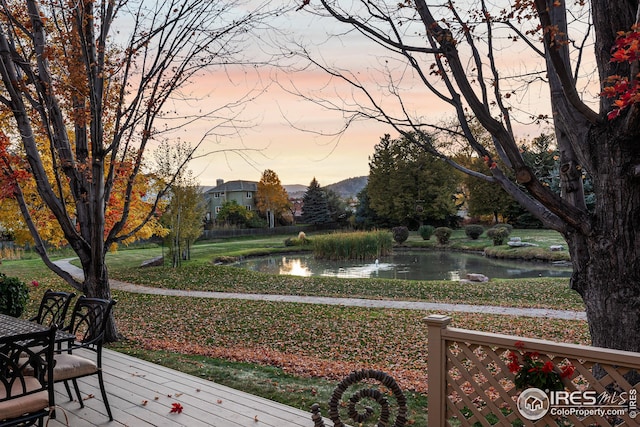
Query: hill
x=346 y=188
x=349 y=187
x=295 y=190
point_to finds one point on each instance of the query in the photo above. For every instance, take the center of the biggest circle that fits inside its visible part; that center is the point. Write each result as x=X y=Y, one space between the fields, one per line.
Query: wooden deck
x=142 y=393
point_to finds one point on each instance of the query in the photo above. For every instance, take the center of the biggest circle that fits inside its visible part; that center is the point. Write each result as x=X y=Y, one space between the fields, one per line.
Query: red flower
x=176 y=408
x=532 y=355
x=567 y=371
x=514 y=364
x=35 y=283
x=547 y=368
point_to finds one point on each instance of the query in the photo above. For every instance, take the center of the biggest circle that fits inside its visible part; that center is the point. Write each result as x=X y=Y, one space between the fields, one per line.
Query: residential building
x=243 y=192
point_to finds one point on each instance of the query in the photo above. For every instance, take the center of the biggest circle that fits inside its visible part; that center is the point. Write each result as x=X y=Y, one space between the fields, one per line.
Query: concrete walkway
x=65 y=264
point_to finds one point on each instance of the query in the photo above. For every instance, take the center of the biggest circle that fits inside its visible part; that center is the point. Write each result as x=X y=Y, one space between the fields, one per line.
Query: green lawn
x=297 y=353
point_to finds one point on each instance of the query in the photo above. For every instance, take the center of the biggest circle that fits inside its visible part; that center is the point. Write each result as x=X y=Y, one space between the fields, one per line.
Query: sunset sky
x=282 y=135
x=278 y=130
x=283 y=132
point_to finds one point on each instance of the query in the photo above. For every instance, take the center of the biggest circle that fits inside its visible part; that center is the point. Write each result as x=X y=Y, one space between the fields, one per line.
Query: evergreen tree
x=365 y=217
x=338 y=208
x=409 y=186
x=315 y=209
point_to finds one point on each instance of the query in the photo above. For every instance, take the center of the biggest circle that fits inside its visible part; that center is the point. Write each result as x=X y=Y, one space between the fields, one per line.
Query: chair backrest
x=53 y=308
x=23 y=357
x=89 y=319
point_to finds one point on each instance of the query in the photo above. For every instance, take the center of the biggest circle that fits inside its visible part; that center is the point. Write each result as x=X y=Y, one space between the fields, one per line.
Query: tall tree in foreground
x=90 y=85
x=462 y=53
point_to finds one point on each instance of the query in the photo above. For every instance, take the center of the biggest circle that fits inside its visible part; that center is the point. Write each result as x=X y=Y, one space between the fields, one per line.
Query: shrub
x=499 y=234
x=505 y=225
x=14 y=295
x=443 y=234
x=474 y=231
x=426 y=231
x=256 y=222
x=400 y=234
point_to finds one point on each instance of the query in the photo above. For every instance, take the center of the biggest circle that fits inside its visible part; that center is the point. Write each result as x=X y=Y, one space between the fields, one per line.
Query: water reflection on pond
x=424 y=265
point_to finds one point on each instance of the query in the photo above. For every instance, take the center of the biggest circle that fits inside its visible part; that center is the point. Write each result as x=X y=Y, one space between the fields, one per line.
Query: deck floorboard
x=141 y=394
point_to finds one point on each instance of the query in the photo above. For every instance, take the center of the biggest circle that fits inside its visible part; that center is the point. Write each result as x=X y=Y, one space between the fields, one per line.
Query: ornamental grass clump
x=499 y=234
x=426 y=231
x=358 y=245
x=301 y=240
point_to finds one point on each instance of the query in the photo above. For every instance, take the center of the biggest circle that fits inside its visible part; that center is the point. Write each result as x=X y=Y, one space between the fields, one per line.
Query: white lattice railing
x=470 y=383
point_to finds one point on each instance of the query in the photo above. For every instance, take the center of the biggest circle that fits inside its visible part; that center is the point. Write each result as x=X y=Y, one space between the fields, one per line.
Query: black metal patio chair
x=88 y=323
x=53 y=308
x=26 y=398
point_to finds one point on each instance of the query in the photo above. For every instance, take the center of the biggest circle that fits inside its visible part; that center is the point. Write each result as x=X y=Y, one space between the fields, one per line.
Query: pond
x=415 y=265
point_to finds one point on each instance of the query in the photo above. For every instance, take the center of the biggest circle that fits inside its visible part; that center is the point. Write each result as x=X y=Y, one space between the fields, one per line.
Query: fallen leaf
x=176 y=408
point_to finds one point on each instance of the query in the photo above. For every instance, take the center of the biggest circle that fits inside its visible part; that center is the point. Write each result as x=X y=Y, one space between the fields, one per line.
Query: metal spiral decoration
x=370 y=393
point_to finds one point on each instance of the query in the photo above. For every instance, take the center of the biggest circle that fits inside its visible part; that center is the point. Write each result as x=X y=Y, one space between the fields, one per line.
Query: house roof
x=238 y=185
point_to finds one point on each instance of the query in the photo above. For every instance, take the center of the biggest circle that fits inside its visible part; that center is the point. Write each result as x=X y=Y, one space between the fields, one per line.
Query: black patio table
x=14 y=326
x=20 y=329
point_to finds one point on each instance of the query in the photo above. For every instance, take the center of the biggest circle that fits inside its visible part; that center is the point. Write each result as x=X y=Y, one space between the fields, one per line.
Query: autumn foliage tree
x=86 y=88
x=568 y=53
x=184 y=218
x=185 y=210
x=272 y=199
